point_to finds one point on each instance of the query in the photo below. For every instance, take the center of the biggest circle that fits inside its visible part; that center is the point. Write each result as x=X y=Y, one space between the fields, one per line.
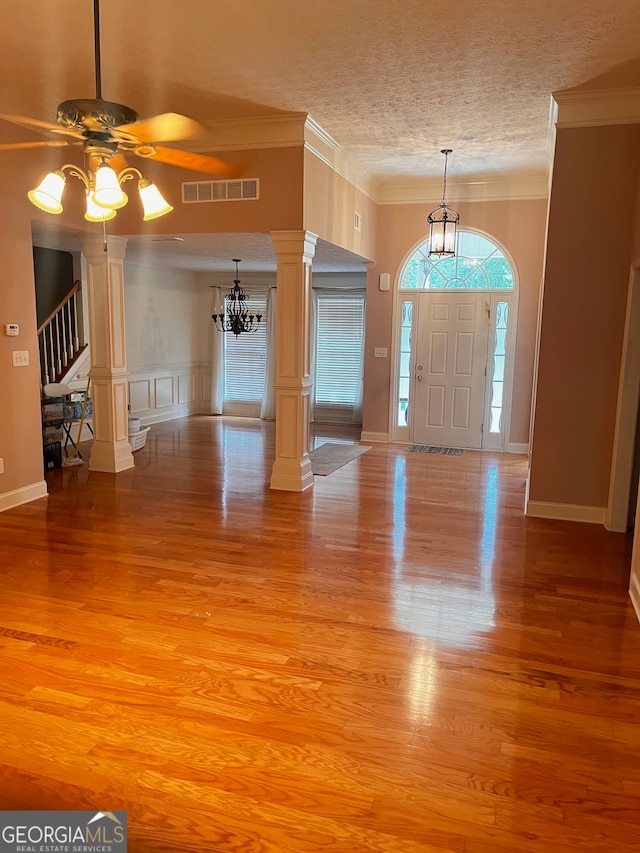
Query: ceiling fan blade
x=168 y=127
x=41 y=126
x=14 y=146
x=189 y=160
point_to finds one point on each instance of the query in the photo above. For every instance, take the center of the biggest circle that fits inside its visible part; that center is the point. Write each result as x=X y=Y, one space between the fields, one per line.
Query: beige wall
x=516 y=225
x=279 y=206
x=592 y=238
x=329 y=205
x=20 y=434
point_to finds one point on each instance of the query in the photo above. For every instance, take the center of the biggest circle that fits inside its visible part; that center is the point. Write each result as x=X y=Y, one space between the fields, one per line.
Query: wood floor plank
x=396 y=661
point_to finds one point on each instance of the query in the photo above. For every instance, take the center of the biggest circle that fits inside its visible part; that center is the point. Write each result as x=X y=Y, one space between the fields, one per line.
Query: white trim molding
x=514 y=187
x=634 y=594
x=267 y=131
x=566 y=512
x=518 y=447
x=17 y=497
x=597 y=107
x=375 y=437
x=166 y=392
x=322 y=145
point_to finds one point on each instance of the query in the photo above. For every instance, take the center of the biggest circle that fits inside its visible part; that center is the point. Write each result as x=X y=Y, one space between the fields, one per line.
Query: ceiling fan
x=106 y=131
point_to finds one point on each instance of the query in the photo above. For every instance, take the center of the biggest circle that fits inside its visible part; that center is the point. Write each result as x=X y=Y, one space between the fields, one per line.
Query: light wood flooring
x=396 y=660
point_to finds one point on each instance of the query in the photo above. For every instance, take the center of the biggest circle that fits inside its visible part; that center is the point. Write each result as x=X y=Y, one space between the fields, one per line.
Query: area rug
x=428 y=448
x=330 y=456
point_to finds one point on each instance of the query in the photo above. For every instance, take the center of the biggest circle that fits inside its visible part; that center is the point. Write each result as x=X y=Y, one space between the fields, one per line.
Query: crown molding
x=291 y=130
x=321 y=144
x=597 y=107
x=515 y=187
x=284 y=130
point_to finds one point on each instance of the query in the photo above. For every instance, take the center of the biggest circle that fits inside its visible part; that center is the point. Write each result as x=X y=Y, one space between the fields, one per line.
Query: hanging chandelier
x=103 y=191
x=443 y=222
x=234 y=315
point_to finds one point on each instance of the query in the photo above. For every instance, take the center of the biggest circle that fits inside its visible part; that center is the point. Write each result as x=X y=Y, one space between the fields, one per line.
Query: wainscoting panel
x=186 y=388
x=163 y=387
x=139 y=396
x=172 y=391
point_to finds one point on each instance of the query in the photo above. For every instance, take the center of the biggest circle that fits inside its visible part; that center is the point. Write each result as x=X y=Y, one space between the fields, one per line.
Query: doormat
x=330 y=456
x=428 y=448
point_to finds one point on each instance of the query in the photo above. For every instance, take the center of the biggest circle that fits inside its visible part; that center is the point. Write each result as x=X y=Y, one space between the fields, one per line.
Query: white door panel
x=451 y=359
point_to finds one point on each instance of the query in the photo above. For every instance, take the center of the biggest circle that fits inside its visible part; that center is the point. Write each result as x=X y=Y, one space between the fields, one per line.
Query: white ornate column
x=111 y=450
x=294 y=253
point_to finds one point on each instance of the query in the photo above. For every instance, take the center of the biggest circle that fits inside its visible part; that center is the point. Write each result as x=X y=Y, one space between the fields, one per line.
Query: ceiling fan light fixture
x=94 y=212
x=108 y=192
x=48 y=194
x=153 y=203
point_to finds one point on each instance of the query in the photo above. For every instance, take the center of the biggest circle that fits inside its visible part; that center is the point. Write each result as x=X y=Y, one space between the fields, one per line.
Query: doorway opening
x=455 y=332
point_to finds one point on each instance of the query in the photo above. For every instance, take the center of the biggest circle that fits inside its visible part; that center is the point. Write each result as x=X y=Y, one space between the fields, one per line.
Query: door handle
x=419 y=378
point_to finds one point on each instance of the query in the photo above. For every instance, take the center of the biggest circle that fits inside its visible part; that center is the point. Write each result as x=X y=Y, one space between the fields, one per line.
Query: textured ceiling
x=393 y=81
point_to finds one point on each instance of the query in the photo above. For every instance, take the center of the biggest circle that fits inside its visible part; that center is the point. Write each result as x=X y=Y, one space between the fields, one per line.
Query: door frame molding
x=617 y=511
x=402 y=434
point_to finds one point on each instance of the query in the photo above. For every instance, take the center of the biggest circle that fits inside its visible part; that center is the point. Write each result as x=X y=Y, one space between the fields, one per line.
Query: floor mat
x=428 y=448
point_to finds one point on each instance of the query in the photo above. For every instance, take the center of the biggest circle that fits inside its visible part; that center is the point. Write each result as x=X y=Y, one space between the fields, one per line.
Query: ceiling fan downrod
x=96 y=47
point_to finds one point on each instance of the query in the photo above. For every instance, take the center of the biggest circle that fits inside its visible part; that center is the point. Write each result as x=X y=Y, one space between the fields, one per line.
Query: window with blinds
x=339 y=336
x=245 y=357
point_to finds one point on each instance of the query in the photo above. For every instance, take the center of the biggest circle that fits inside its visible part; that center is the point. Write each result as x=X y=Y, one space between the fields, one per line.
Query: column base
x=289 y=475
x=111 y=458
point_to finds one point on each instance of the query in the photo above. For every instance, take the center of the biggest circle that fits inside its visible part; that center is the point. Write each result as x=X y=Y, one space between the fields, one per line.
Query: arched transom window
x=479 y=264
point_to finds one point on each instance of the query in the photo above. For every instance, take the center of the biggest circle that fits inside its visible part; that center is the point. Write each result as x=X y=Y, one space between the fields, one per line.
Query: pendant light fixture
x=443 y=222
x=234 y=316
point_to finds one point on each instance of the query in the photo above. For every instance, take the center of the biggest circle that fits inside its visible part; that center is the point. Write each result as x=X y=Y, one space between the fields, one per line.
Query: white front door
x=450 y=369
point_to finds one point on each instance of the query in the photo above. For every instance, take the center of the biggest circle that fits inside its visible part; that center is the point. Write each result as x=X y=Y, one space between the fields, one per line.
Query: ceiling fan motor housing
x=94 y=114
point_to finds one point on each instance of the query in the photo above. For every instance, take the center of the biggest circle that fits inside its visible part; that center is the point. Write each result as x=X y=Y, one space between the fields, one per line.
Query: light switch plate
x=380 y=352
x=20 y=358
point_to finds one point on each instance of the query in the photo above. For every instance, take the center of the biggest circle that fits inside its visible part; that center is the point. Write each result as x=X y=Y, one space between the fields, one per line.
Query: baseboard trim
x=634 y=593
x=375 y=436
x=566 y=512
x=518 y=447
x=182 y=410
x=9 y=500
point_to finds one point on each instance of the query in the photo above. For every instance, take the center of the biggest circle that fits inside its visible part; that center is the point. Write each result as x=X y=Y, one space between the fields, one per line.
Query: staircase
x=59 y=339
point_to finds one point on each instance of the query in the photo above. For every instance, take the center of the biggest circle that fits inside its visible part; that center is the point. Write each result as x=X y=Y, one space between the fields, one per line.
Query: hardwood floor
x=396 y=660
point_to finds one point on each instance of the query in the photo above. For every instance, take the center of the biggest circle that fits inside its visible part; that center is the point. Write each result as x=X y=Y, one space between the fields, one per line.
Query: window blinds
x=244 y=358
x=339 y=336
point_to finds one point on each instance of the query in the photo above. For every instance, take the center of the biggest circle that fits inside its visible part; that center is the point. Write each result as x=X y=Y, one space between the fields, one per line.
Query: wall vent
x=356 y=220
x=196 y=192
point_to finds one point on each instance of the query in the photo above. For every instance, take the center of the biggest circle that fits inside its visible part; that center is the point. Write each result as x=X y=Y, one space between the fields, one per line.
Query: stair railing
x=59 y=338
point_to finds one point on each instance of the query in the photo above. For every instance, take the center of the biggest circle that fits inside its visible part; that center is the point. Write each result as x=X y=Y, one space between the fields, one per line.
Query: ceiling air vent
x=196 y=192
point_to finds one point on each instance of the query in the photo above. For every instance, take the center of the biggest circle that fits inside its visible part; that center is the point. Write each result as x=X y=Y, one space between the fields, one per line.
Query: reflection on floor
x=395 y=660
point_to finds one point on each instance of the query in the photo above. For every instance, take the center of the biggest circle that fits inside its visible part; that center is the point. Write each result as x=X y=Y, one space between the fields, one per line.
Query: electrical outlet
x=20 y=358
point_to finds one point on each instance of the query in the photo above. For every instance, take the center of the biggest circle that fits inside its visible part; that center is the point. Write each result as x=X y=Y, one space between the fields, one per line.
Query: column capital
x=93 y=246
x=299 y=243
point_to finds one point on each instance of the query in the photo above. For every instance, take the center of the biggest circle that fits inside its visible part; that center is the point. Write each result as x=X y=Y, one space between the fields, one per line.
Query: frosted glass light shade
x=154 y=205
x=108 y=192
x=94 y=213
x=48 y=194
